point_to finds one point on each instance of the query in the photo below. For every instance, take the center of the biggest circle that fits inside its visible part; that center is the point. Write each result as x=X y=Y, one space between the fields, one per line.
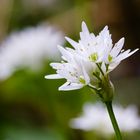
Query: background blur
x=31 y=107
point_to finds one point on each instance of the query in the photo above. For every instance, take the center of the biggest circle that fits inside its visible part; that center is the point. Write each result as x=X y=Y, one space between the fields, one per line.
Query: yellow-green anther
x=93 y=57
x=82 y=80
x=110 y=58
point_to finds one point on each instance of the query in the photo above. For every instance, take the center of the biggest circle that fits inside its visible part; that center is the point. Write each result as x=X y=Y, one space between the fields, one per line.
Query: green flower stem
x=100 y=69
x=113 y=120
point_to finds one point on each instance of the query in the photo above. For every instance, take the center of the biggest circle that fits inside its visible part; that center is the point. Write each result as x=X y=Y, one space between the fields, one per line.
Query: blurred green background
x=31 y=107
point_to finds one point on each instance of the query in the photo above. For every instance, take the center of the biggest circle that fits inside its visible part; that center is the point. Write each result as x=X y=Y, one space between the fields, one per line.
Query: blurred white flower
x=95 y=118
x=28 y=48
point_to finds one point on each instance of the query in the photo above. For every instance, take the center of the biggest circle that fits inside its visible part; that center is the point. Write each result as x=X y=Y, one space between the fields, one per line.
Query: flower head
x=72 y=69
x=99 y=49
x=95 y=117
x=90 y=61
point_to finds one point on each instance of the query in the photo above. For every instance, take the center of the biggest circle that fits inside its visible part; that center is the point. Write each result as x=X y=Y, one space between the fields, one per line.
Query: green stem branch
x=100 y=69
x=113 y=120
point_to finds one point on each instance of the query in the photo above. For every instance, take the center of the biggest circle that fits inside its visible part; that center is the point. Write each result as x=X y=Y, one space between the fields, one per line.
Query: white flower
x=95 y=118
x=99 y=49
x=28 y=48
x=91 y=59
x=73 y=70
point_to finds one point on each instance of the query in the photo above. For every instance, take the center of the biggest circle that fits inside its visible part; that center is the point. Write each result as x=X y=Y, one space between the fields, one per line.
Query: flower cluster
x=95 y=117
x=89 y=63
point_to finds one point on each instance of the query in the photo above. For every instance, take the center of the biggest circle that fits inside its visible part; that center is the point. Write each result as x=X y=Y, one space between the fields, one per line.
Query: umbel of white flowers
x=90 y=61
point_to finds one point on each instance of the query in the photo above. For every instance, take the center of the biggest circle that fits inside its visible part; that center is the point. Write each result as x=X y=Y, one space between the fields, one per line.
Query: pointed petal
x=53 y=76
x=65 y=53
x=92 y=37
x=112 y=66
x=103 y=67
x=105 y=41
x=104 y=32
x=72 y=42
x=86 y=77
x=84 y=38
x=84 y=28
x=133 y=52
x=55 y=65
x=124 y=55
x=105 y=37
x=117 y=48
x=70 y=86
x=84 y=34
x=70 y=50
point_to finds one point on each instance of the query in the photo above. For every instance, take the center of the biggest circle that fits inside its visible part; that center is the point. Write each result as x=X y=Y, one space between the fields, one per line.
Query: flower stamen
x=93 y=57
x=110 y=58
x=82 y=80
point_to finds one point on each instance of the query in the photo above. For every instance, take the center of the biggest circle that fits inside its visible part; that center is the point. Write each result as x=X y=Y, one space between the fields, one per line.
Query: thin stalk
x=100 y=69
x=97 y=76
x=113 y=120
x=94 y=88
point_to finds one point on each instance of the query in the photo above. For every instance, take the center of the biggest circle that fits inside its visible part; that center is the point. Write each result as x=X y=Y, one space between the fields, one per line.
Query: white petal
x=70 y=50
x=92 y=36
x=133 y=52
x=85 y=35
x=113 y=66
x=70 y=86
x=72 y=42
x=84 y=28
x=104 y=32
x=86 y=77
x=55 y=65
x=117 y=48
x=53 y=76
x=103 y=67
x=124 y=55
x=65 y=53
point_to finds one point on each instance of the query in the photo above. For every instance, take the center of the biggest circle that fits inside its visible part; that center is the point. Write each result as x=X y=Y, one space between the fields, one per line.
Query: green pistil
x=93 y=57
x=110 y=58
x=82 y=80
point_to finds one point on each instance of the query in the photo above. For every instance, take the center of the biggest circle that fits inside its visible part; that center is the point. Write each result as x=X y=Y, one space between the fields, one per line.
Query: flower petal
x=53 y=76
x=86 y=77
x=105 y=32
x=70 y=86
x=103 y=67
x=124 y=55
x=112 y=66
x=85 y=35
x=117 y=48
x=65 y=53
x=55 y=65
x=84 y=28
x=72 y=42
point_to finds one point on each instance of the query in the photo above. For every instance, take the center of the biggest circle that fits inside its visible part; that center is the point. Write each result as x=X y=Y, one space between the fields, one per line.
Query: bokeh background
x=31 y=107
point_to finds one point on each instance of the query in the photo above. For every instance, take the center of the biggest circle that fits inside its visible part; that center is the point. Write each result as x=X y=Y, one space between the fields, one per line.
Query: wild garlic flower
x=99 y=49
x=29 y=48
x=90 y=61
x=73 y=69
x=95 y=118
